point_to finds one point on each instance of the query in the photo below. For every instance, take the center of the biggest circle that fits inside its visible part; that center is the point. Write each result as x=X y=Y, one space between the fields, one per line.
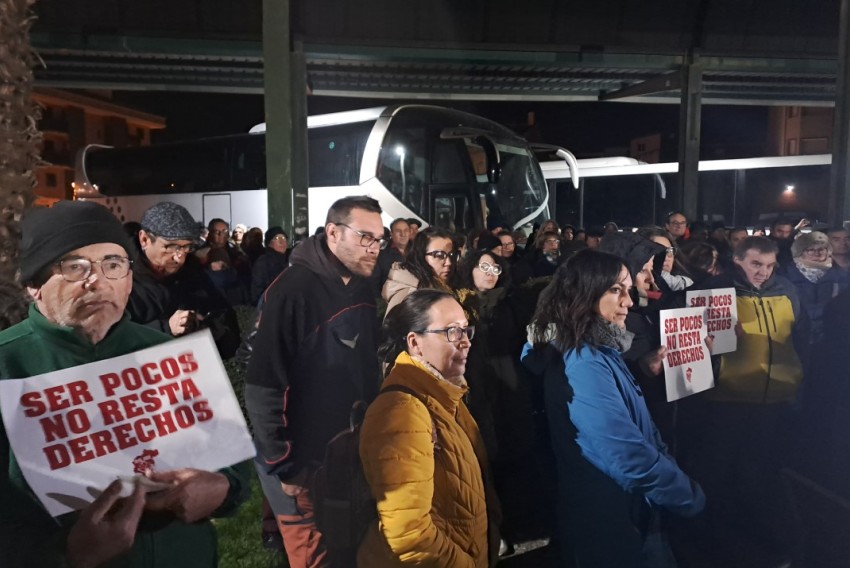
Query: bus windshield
x=521 y=194
x=422 y=166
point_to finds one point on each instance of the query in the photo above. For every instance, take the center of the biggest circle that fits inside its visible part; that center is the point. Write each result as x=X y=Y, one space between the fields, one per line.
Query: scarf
x=605 y=333
x=457 y=381
x=813 y=271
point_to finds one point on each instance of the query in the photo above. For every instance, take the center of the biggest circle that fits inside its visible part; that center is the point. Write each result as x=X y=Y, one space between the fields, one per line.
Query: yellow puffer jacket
x=432 y=503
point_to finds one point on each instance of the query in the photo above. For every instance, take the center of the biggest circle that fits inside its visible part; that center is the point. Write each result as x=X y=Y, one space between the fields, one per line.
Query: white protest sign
x=687 y=365
x=75 y=431
x=720 y=310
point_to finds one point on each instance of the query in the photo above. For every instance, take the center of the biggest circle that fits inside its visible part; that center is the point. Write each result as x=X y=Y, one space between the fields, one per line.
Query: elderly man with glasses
x=400 y=241
x=171 y=291
x=75 y=261
x=677 y=225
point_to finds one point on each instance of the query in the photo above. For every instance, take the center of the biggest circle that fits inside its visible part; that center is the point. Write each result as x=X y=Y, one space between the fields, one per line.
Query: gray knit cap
x=170 y=221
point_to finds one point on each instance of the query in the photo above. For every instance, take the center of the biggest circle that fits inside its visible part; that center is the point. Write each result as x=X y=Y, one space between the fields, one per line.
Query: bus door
x=453 y=196
x=451 y=208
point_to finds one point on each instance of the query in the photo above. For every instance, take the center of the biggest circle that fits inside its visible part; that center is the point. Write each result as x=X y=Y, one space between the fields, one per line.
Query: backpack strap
x=414 y=394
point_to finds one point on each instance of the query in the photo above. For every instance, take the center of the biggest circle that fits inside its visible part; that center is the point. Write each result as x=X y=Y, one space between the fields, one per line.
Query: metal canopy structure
x=410 y=73
x=752 y=51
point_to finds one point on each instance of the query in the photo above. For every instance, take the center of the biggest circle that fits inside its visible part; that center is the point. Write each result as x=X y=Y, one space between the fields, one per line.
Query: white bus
x=442 y=166
x=738 y=192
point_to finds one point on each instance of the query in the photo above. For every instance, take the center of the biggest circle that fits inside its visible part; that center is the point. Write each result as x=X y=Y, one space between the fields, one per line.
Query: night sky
x=586 y=128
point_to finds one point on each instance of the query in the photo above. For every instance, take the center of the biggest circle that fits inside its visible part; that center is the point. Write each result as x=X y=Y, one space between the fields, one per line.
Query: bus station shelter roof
x=766 y=52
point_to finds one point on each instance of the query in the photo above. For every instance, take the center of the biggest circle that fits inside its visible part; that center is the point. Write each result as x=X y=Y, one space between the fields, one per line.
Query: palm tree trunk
x=19 y=137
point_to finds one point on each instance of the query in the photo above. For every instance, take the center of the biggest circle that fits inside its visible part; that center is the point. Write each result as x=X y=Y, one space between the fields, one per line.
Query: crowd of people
x=491 y=353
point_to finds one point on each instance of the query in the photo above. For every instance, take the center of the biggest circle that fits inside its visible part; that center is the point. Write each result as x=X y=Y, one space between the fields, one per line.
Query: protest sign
x=720 y=310
x=167 y=407
x=687 y=365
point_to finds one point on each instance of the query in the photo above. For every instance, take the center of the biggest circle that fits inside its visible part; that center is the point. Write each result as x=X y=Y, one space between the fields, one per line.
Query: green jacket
x=29 y=536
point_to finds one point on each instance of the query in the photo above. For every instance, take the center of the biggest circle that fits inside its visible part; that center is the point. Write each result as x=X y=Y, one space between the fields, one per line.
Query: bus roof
x=557 y=169
x=333 y=118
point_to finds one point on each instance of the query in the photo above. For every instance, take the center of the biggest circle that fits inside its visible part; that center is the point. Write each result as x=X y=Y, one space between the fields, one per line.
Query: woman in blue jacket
x=614 y=472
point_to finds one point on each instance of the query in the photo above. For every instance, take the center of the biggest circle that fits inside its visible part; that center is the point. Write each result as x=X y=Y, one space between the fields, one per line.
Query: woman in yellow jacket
x=421 y=451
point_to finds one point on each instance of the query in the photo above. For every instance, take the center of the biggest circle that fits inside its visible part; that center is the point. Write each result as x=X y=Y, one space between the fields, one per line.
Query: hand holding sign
x=687 y=362
x=195 y=495
x=164 y=408
x=653 y=362
x=720 y=311
x=106 y=528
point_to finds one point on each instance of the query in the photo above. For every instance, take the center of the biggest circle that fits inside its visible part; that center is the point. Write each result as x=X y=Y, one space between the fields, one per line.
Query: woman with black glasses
x=499 y=390
x=420 y=448
x=429 y=264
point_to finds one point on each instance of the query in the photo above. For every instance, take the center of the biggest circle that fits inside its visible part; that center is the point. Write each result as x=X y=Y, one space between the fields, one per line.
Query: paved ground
x=528 y=498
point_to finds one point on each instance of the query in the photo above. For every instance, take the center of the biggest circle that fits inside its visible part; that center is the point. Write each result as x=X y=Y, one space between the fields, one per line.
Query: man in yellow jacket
x=744 y=433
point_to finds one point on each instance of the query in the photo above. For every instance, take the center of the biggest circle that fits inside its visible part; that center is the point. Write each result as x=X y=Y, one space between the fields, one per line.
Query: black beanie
x=488 y=242
x=49 y=234
x=272 y=233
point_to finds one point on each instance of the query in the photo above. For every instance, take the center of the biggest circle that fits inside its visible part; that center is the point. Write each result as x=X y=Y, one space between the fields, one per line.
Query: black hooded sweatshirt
x=313 y=357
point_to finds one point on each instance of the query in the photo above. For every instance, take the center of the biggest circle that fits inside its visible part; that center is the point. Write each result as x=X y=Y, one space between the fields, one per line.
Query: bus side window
x=249 y=168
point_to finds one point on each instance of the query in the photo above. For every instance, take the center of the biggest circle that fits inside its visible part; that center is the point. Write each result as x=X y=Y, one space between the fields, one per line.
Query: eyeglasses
x=494 y=269
x=174 y=248
x=366 y=240
x=453 y=334
x=442 y=255
x=79 y=269
x=816 y=250
x=671 y=251
x=508 y=245
x=677 y=223
x=552 y=241
x=220 y=232
x=279 y=238
x=179 y=249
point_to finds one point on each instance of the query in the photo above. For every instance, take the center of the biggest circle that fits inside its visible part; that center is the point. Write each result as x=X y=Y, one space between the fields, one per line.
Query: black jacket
x=153 y=301
x=314 y=356
x=266 y=268
x=499 y=390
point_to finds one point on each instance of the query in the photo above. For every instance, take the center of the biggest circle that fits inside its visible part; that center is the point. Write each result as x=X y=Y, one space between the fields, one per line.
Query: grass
x=239 y=544
x=239 y=536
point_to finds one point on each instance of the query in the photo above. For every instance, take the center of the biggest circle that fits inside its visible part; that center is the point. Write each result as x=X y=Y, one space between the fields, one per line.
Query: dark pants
x=738 y=465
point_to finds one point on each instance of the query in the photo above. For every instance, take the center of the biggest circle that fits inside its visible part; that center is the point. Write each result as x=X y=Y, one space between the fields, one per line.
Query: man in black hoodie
x=314 y=356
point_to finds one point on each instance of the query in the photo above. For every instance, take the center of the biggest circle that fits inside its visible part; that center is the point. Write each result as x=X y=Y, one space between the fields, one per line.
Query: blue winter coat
x=613 y=467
